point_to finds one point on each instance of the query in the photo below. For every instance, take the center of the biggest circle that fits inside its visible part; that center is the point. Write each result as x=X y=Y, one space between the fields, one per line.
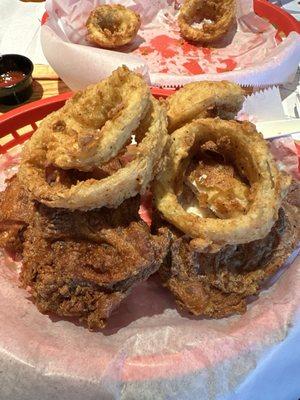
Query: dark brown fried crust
x=76 y=277
x=82 y=264
x=220 y=284
x=15 y=214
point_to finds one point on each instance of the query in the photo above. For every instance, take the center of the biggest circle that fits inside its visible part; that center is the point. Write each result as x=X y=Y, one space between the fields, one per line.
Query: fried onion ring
x=58 y=141
x=202 y=100
x=247 y=150
x=112 y=26
x=95 y=124
x=215 y=17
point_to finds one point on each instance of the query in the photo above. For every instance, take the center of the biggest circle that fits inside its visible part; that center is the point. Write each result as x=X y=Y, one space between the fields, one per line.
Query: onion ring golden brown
x=215 y=16
x=250 y=155
x=112 y=26
x=95 y=124
x=204 y=99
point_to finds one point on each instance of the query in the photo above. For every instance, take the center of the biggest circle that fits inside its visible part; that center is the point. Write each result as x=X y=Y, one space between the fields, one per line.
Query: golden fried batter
x=78 y=136
x=15 y=215
x=203 y=100
x=245 y=148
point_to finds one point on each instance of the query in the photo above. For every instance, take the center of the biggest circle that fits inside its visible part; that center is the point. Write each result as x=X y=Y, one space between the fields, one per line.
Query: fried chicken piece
x=82 y=264
x=16 y=208
x=219 y=284
x=15 y=214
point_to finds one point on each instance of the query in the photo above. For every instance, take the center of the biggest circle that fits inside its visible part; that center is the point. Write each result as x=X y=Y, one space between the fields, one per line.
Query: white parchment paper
x=249 y=54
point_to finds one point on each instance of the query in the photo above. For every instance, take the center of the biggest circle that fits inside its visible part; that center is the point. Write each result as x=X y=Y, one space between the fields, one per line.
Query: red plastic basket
x=282 y=20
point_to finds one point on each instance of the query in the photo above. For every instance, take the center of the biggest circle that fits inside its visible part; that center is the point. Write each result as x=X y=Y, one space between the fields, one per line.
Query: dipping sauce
x=11 y=78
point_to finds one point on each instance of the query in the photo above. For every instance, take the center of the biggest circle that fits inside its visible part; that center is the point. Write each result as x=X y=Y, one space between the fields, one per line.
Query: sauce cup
x=19 y=92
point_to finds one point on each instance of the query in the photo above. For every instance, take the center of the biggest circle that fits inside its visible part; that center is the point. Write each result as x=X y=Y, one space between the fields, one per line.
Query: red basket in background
x=16 y=126
x=281 y=19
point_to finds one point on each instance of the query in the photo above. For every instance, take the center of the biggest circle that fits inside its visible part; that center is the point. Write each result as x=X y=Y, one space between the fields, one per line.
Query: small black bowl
x=22 y=90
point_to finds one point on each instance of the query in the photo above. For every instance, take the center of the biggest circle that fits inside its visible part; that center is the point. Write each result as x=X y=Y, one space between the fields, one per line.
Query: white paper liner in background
x=258 y=59
x=264 y=105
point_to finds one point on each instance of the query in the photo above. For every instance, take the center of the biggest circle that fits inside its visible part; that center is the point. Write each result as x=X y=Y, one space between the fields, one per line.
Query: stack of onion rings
x=88 y=131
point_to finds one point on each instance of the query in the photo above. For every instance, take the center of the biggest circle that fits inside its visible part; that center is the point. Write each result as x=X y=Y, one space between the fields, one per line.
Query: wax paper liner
x=149 y=349
x=263 y=105
x=266 y=105
x=250 y=54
